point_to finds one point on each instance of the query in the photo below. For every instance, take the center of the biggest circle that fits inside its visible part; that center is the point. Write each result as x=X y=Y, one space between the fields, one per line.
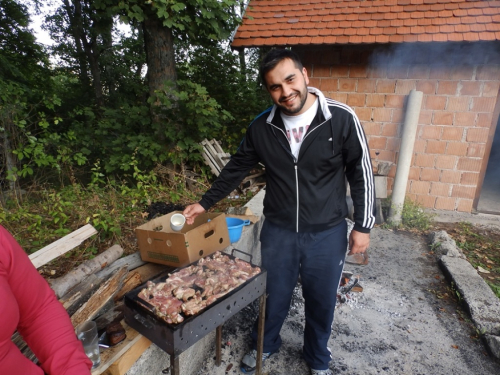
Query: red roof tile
x=299 y=22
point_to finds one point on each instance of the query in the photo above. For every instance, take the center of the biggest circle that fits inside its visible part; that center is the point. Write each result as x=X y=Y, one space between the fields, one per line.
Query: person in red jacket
x=28 y=305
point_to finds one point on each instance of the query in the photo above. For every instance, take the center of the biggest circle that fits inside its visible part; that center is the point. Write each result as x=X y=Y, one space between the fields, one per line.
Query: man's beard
x=291 y=111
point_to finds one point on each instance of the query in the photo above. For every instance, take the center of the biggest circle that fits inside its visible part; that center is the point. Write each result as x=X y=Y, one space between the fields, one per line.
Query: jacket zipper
x=295 y=160
x=297 y=189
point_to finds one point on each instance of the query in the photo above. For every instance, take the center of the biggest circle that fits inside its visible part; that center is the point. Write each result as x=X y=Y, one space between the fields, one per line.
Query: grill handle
x=244 y=253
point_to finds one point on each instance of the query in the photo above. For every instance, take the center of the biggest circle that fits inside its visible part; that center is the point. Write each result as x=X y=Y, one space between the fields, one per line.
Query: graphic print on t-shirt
x=298 y=134
x=297 y=126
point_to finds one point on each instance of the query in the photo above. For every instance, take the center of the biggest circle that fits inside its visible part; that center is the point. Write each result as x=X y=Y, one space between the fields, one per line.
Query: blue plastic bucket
x=235 y=226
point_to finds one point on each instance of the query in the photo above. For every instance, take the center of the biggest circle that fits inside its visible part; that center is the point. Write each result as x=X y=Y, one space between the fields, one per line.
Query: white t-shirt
x=296 y=126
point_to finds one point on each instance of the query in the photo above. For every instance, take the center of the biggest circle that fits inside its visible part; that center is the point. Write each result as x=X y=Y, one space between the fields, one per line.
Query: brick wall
x=460 y=83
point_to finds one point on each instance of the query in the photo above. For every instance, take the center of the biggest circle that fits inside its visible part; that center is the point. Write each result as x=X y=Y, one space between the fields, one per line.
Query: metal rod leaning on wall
x=405 y=155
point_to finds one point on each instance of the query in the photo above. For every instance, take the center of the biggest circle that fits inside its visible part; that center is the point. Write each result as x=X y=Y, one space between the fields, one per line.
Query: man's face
x=287 y=86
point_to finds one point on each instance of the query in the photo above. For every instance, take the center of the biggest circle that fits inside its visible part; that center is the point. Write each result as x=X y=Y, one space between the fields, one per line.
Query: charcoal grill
x=176 y=338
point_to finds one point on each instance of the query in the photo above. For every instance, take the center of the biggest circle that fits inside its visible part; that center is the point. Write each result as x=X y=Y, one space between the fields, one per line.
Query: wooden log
x=100 y=298
x=61 y=246
x=64 y=283
x=132 y=261
x=132 y=281
x=80 y=293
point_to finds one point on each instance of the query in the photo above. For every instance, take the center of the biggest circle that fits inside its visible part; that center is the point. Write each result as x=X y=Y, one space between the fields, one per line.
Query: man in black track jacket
x=309 y=145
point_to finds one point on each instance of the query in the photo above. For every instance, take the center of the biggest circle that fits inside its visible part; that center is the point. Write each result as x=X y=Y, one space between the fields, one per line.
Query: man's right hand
x=192 y=211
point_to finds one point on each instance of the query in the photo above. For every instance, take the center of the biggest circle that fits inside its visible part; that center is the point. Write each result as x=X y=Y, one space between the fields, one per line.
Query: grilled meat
x=189 y=290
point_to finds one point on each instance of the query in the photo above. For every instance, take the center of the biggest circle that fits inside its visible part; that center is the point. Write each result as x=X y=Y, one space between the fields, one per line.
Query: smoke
x=436 y=54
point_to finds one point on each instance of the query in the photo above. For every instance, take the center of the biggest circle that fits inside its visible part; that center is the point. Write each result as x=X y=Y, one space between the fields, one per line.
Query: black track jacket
x=307 y=194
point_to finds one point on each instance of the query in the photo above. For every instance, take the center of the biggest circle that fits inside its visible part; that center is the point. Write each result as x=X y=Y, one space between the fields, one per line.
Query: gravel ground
x=403 y=322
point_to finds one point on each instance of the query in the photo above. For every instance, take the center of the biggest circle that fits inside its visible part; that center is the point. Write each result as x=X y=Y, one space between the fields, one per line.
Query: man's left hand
x=358 y=242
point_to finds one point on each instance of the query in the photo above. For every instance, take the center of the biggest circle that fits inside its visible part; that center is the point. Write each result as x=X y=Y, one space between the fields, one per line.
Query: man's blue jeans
x=319 y=260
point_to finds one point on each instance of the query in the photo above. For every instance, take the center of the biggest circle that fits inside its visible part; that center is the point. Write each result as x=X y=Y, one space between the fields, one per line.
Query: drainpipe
x=405 y=155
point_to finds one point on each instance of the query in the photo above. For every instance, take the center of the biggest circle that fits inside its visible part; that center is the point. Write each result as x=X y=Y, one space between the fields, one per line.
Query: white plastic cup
x=87 y=334
x=177 y=222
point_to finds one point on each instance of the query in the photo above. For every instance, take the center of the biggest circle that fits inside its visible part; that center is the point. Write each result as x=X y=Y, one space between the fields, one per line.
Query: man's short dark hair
x=274 y=57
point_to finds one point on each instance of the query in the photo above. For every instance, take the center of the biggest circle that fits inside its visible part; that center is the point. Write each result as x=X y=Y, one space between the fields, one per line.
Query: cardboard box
x=158 y=243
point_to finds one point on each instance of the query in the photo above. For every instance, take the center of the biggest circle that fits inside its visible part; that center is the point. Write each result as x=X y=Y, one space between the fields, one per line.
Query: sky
x=42 y=36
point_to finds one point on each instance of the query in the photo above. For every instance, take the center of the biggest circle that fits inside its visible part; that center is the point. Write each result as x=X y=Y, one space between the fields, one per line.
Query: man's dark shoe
x=249 y=361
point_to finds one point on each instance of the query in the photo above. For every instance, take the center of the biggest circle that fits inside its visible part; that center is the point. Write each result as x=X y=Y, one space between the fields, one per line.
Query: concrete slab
x=493 y=343
x=483 y=304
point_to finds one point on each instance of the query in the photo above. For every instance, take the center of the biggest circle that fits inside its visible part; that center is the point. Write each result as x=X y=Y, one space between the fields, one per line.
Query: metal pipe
x=405 y=156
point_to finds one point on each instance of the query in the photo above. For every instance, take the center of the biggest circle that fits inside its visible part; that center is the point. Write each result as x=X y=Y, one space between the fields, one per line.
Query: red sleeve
x=43 y=321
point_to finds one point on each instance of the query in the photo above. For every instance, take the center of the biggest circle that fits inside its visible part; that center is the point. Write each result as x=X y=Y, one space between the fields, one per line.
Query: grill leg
x=260 y=333
x=218 y=343
x=174 y=365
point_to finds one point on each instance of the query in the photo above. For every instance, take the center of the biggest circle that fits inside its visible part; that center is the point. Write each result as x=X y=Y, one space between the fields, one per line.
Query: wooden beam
x=61 y=246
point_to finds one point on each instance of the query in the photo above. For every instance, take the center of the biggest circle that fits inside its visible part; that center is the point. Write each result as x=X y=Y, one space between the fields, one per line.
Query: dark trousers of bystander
x=319 y=260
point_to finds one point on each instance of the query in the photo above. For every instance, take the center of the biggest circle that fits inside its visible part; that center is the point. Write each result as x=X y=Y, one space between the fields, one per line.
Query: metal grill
x=176 y=338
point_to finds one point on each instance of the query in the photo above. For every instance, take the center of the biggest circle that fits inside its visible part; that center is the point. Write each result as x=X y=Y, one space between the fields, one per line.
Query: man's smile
x=288 y=99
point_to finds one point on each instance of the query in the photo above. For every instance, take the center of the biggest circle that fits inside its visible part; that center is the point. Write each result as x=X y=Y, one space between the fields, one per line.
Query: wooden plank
x=110 y=355
x=209 y=158
x=223 y=157
x=213 y=152
x=125 y=362
x=216 y=145
x=61 y=246
x=105 y=293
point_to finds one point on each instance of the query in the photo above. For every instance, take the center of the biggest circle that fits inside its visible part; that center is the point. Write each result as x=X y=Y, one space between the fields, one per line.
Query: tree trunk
x=8 y=157
x=159 y=47
x=76 y=31
x=85 y=48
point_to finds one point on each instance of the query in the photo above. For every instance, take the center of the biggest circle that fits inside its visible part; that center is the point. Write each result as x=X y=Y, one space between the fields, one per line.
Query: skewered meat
x=190 y=289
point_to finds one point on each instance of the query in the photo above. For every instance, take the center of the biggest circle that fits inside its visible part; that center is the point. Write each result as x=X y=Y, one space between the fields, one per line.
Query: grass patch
x=45 y=214
x=413 y=216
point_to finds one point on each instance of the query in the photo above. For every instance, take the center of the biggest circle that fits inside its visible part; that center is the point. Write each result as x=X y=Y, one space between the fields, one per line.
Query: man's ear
x=306 y=77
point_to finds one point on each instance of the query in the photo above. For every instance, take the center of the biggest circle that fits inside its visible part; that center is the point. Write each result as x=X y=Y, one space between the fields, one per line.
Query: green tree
x=164 y=20
x=25 y=85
